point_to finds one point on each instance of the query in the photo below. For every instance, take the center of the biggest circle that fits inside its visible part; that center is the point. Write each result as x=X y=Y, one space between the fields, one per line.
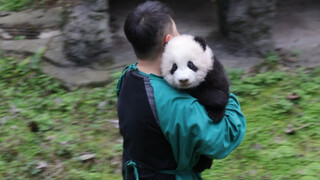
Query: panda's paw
x=217 y=116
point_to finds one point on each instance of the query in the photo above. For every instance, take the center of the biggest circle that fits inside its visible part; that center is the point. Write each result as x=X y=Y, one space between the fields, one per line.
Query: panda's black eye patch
x=192 y=66
x=174 y=68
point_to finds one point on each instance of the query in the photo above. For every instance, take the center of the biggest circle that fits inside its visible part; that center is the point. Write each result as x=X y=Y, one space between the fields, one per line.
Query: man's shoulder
x=170 y=101
x=169 y=95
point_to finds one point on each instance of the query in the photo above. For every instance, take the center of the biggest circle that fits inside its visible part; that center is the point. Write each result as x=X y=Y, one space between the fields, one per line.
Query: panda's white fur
x=180 y=50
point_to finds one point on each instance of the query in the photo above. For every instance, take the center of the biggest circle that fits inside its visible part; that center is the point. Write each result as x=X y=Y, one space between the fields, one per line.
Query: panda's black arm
x=213 y=98
x=214 y=101
x=217 y=77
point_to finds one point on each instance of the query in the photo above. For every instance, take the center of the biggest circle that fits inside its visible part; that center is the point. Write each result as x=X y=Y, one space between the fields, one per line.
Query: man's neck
x=148 y=66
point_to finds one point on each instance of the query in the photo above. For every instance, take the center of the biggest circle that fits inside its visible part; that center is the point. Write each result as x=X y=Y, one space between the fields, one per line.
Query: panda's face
x=186 y=62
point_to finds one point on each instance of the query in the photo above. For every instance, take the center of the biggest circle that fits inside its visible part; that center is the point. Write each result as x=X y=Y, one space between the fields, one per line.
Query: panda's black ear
x=201 y=41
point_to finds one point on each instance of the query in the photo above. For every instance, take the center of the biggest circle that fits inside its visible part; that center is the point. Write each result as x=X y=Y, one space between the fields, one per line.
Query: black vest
x=144 y=142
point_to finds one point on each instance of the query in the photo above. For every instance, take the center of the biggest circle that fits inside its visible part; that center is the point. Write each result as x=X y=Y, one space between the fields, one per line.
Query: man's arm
x=228 y=134
x=191 y=132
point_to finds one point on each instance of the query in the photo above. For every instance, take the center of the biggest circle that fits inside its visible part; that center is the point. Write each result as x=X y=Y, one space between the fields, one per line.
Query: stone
x=87 y=36
x=102 y=104
x=25 y=46
x=44 y=18
x=42 y=165
x=290 y=129
x=87 y=157
x=54 y=52
x=49 y=34
x=293 y=96
x=75 y=77
x=248 y=23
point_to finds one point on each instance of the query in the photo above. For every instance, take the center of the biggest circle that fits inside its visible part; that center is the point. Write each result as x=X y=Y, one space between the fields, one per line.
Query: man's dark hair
x=145 y=28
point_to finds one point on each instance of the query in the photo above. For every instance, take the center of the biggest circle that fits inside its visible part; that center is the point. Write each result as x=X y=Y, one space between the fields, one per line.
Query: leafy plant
x=35 y=60
x=272 y=57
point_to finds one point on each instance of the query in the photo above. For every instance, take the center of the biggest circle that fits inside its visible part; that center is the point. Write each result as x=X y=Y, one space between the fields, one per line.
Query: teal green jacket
x=190 y=132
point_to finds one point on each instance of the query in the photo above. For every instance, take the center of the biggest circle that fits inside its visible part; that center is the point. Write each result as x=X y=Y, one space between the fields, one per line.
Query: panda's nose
x=183 y=80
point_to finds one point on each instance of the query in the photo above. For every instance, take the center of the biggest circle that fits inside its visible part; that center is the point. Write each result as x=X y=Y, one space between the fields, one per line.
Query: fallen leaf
x=290 y=129
x=102 y=104
x=293 y=96
x=14 y=127
x=87 y=157
x=42 y=165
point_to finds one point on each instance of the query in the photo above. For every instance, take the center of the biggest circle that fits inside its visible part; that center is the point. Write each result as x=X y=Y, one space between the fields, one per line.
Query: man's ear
x=166 y=39
x=201 y=41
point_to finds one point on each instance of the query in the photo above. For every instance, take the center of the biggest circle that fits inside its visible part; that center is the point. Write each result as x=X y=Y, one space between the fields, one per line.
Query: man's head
x=148 y=27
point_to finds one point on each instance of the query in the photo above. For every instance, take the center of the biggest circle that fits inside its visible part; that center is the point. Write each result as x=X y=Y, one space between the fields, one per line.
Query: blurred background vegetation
x=50 y=132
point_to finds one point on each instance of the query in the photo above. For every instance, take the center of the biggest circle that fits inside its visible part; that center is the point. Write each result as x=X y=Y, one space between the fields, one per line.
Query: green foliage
x=254 y=85
x=19 y=38
x=272 y=57
x=14 y=5
x=75 y=123
x=35 y=60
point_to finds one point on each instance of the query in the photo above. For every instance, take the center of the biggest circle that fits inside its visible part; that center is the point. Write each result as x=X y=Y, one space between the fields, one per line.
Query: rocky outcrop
x=40 y=30
x=75 y=77
x=87 y=37
x=42 y=18
x=249 y=23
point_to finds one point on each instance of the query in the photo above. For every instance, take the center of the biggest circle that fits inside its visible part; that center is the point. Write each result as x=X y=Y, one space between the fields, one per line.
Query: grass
x=14 y=5
x=18 y=5
x=71 y=124
x=267 y=152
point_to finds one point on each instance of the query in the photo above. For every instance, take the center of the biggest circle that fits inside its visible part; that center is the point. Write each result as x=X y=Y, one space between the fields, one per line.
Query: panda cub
x=189 y=64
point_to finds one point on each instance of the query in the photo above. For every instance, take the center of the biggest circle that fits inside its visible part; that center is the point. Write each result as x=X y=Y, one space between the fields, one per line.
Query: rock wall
x=87 y=37
x=249 y=23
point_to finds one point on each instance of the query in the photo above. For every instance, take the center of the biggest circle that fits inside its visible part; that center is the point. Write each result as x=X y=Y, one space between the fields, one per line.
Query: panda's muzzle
x=184 y=81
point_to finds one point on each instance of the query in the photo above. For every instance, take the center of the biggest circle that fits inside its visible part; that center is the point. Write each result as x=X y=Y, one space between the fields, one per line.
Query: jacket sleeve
x=191 y=132
x=220 y=139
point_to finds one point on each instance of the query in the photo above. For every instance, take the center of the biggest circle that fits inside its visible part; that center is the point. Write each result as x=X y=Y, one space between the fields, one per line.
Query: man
x=165 y=130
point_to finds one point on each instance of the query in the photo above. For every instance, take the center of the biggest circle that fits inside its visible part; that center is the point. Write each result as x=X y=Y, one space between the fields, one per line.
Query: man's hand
x=203 y=164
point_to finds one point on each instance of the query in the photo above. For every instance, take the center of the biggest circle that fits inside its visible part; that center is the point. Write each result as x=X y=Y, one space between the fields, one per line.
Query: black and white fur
x=189 y=64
